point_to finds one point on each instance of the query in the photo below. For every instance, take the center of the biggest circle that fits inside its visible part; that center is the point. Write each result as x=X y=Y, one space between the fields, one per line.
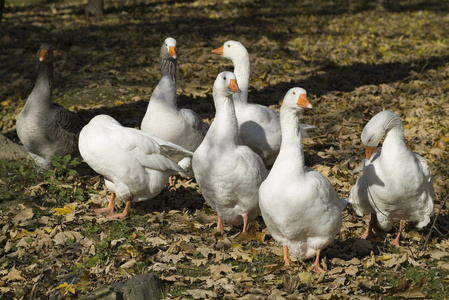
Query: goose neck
x=394 y=141
x=42 y=90
x=242 y=71
x=291 y=145
x=168 y=68
x=224 y=127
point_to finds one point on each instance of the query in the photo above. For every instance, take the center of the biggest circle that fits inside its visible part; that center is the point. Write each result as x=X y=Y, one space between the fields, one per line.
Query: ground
x=354 y=58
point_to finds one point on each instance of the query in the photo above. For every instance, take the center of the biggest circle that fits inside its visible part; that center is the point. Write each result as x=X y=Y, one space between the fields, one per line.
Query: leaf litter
x=353 y=62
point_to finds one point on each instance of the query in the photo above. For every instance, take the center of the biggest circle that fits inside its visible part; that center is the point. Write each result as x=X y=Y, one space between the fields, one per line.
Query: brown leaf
x=201 y=294
x=252 y=234
x=13 y=275
x=351 y=270
x=23 y=215
x=408 y=289
x=396 y=259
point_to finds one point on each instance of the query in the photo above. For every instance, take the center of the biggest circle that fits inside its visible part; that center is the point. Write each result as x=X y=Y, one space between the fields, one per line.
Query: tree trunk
x=2 y=7
x=94 y=7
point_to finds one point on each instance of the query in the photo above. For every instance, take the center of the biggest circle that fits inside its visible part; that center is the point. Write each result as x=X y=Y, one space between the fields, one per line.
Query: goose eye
x=229 y=46
x=224 y=78
x=294 y=93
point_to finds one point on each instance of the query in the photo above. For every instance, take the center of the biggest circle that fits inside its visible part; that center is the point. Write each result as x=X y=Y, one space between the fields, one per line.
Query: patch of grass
x=17 y=176
x=23 y=2
x=62 y=179
x=187 y=268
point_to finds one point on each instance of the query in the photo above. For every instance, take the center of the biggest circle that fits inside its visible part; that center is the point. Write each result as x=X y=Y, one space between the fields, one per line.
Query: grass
x=18 y=176
x=24 y=2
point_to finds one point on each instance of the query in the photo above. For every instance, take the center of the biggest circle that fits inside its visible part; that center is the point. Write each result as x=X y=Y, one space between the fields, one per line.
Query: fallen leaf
x=396 y=259
x=156 y=241
x=67 y=209
x=408 y=289
x=13 y=275
x=23 y=215
x=128 y=264
x=351 y=270
x=65 y=288
x=437 y=254
x=306 y=277
x=201 y=294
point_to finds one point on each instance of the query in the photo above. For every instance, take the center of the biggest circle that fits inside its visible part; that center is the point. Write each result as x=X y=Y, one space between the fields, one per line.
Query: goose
x=228 y=174
x=136 y=165
x=299 y=205
x=163 y=118
x=47 y=129
x=259 y=126
x=395 y=183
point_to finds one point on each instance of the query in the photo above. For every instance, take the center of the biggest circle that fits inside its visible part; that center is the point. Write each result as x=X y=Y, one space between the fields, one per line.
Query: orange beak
x=303 y=102
x=43 y=55
x=369 y=151
x=233 y=87
x=218 y=51
x=172 y=52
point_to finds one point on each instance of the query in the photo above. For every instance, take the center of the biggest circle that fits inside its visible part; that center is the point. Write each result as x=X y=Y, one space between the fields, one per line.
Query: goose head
x=169 y=49
x=45 y=54
x=296 y=99
x=226 y=84
x=374 y=130
x=231 y=50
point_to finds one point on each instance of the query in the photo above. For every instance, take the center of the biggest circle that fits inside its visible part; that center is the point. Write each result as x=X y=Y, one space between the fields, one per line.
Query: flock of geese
x=248 y=162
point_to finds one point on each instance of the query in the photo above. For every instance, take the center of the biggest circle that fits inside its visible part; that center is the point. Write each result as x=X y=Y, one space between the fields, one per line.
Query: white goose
x=300 y=207
x=136 y=165
x=259 y=125
x=47 y=129
x=396 y=183
x=228 y=174
x=163 y=118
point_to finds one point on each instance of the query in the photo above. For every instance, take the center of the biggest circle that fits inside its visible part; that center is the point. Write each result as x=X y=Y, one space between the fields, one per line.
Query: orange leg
x=109 y=209
x=369 y=230
x=220 y=225
x=286 y=260
x=124 y=213
x=401 y=227
x=316 y=264
x=170 y=181
x=245 y=222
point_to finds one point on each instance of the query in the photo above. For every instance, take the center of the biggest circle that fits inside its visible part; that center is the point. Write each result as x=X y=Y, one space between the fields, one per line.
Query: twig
x=415 y=74
x=433 y=224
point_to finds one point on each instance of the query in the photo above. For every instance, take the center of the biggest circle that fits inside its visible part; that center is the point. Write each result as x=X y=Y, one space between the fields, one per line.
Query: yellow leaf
x=65 y=288
x=118 y=102
x=130 y=250
x=67 y=209
x=6 y=102
x=23 y=233
x=385 y=257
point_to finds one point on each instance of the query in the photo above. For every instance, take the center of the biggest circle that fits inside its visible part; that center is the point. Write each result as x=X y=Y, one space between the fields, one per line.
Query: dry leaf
x=351 y=270
x=396 y=259
x=129 y=264
x=201 y=294
x=437 y=254
x=13 y=275
x=409 y=289
x=156 y=241
x=23 y=215
x=306 y=277
x=67 y=209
